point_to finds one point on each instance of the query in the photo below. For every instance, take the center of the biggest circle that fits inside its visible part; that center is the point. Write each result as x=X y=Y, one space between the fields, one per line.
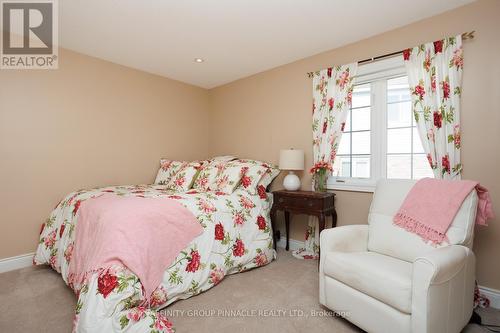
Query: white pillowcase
x=223 y=158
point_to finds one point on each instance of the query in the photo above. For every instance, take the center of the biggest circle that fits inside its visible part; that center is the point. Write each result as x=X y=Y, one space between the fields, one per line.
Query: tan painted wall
x=259 y=115
x=89 y=123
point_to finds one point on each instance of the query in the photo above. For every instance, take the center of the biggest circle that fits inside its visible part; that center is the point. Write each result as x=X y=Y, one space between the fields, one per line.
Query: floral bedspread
x=237 y=236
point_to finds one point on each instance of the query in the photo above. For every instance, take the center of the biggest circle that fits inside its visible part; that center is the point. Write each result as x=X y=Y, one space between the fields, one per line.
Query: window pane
x=361 y=166
x=360 y=119
x=345 y=144
x=399 y=114
x=421 y=167
x=361 y=96
x=399 y=166
x=417 y=143
x=347 y=127
x=360 y=142
x=399 y=140
x=398 y=89
x=342 y=166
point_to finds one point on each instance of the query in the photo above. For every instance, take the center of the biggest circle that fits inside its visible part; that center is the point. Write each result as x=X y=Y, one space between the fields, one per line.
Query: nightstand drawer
x=298 y=203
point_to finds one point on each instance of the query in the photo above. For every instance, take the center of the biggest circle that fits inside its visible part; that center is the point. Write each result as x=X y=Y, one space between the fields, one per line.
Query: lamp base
x=291 y=182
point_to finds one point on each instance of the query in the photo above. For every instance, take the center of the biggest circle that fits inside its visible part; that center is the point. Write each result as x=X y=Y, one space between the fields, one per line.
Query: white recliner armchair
x=387 y=279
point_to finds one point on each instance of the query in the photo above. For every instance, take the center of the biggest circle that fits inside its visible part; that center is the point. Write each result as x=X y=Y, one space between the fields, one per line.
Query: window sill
x=369 y=188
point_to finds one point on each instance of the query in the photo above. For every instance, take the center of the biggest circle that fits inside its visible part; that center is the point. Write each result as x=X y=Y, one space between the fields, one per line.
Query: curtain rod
x=465 y=36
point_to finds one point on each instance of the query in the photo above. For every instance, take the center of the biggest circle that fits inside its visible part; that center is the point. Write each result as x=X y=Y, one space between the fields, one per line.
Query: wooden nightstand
x=320 y=204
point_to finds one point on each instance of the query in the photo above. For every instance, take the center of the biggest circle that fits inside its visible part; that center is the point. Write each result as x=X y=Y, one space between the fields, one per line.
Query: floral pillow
x=264 y=182
x=272 y=172
x=167 y=169
x=207 y=175
x=209 y=172
x=252 y=175
x=184 y=178
x=228 y=178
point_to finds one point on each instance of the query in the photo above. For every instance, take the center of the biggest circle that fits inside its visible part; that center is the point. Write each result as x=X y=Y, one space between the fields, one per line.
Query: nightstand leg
x=334 y=218
x=287 y=228
x=321 y=219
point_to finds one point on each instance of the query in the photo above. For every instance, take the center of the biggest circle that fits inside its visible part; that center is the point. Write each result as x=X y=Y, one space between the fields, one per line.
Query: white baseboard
x=17 y=262
x=493 y=295
x=293 y=244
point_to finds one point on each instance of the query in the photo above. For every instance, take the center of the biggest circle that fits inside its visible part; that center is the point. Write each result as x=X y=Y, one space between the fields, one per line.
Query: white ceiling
x=237 y=38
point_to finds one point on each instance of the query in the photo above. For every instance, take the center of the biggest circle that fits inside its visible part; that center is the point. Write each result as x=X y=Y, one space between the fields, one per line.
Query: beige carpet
x=35 y=299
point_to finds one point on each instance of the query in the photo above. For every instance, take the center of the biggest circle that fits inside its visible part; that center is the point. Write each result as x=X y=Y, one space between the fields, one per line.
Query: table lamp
x=291 y=160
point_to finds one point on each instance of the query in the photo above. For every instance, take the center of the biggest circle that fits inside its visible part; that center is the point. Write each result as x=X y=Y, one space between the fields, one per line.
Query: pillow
x=207 y=175
x=252 y=175
x=209 y=171
x=167 y=169
x=272 y=172
x=184 y=178
x=223 y=158
x=228 y=178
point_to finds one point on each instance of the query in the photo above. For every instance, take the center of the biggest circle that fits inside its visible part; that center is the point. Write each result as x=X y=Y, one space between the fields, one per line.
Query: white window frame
x=377 y=74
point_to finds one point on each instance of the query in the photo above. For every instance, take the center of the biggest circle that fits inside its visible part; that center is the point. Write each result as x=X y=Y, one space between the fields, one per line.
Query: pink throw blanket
x=431 y=205
x=143 y=234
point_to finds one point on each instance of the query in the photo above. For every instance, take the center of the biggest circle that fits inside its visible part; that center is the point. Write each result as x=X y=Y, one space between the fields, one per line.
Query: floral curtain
x=435 y=77
x=332 y=94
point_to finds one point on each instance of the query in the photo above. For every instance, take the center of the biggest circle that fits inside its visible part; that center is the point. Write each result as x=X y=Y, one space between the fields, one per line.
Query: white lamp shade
x=291 y=159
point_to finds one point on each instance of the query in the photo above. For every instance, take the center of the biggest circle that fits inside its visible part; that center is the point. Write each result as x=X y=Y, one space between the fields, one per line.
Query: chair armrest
x=443 y=289
x=443 y=263
x=349 y=238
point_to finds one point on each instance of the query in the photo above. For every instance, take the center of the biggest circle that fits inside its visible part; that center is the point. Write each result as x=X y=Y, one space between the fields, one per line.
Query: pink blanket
x=144 y=234
x=431 y=205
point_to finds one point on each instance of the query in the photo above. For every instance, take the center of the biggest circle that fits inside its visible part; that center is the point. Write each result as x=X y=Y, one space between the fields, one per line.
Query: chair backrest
x=386 y=238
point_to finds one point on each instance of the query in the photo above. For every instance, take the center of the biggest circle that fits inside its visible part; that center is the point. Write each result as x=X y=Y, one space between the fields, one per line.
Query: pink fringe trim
x=424 y=231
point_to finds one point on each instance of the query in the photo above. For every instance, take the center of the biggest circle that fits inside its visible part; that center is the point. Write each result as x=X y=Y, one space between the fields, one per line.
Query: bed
x=236 y=236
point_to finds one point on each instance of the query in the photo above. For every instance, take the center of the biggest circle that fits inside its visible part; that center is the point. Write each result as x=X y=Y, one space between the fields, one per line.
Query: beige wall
x=259 y=115
x=89 y=123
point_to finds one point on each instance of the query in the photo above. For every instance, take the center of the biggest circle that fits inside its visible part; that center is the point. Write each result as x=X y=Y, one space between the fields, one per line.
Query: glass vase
x=320 y=181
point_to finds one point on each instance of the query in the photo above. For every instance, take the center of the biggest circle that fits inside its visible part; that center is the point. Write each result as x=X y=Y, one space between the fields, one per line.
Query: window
x=405 y=155
x=354 y=153
x=380 y=138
